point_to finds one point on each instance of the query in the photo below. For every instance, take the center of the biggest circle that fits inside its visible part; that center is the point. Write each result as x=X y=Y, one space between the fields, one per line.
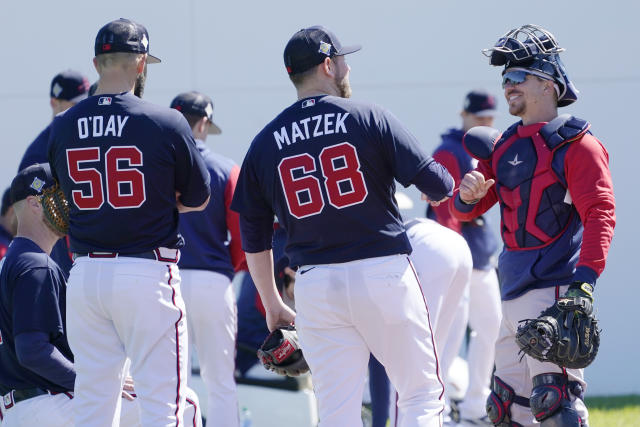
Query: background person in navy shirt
x=484 y=292
x=211 y=256
x=326 y=167
x=67 y=89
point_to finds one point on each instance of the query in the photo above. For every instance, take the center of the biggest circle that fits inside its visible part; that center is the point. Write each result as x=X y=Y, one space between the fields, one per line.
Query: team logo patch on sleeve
x=104 y=100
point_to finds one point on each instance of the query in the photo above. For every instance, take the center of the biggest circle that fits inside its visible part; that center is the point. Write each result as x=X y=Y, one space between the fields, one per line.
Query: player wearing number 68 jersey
x=127 y=168
x=326 y=166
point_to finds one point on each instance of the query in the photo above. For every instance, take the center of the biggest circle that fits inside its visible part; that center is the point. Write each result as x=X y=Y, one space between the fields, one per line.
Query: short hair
x=6 y=201
x=298 y=79
x=122 y=59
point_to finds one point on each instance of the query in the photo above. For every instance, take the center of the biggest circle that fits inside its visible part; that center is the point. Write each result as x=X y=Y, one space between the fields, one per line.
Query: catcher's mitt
x=566 y=333
x=281 y=353
x=56 y=209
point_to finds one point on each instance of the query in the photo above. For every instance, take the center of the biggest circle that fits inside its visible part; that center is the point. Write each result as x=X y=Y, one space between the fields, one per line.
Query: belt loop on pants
x=158 y=254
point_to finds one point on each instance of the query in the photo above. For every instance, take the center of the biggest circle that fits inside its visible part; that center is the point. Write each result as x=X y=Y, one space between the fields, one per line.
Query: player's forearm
x=435 y=181
x=466 y=212
x=36 y=353
x=261 y=269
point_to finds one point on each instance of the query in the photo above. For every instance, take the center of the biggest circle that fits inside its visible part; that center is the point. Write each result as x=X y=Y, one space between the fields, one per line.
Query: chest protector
x=528 y=162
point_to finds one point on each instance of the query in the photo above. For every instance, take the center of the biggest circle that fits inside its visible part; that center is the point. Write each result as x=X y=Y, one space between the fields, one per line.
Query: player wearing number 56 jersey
x=326 y=167
x=127 y=168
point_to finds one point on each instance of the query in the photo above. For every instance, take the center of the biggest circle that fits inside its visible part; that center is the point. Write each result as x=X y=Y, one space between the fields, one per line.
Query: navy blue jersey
x=120 y=161
x=36 y=151
x=326 y=167
x=32 y=299
x=212 y=237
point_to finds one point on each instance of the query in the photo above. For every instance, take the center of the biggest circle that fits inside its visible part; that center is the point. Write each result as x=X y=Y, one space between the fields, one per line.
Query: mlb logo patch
x=325 y=48
x=308 y=103
x=37 y=184
x=104 y=100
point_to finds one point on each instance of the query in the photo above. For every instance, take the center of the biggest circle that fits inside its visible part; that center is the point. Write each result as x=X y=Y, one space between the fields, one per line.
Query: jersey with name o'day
x=32 y=299
x=120 y=161
x=326 y=167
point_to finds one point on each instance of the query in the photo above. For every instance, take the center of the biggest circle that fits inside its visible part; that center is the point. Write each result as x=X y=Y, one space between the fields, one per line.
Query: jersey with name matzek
x=120 y=161
x=326 y=167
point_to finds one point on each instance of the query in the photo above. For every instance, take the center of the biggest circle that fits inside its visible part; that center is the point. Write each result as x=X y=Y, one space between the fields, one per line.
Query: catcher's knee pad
x=499 y=403
x=550 y=402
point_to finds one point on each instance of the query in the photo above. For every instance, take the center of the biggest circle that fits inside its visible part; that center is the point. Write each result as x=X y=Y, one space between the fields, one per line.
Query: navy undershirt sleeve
x=434 y=181
x=256 y=232
x=36 y=353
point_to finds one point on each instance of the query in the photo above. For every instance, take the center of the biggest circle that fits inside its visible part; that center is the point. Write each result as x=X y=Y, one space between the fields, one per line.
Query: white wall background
x=419 y=59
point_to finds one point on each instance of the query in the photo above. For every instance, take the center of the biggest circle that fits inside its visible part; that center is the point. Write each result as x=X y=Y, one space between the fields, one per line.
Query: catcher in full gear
x=551 y=178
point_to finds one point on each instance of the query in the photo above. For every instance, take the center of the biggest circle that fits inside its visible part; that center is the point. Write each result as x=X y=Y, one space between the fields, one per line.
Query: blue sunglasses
x=513 y=78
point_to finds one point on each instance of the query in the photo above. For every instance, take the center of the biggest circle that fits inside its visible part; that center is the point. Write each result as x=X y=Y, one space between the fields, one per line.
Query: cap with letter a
x=124 y=35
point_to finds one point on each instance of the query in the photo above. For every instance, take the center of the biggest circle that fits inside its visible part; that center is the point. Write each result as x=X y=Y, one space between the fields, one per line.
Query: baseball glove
x=281 y=353
x=56 y=209
x=566 y=333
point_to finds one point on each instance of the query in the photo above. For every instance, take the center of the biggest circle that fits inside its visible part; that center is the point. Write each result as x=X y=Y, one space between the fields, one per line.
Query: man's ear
x=328 y=67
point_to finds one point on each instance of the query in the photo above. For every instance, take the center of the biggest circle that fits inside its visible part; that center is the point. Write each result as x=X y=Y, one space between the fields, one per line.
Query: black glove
x=281 y=353
x=566 y=333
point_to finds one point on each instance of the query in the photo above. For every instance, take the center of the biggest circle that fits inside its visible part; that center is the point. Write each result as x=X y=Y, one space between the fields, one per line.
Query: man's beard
x=344 y=88
x=138 y=89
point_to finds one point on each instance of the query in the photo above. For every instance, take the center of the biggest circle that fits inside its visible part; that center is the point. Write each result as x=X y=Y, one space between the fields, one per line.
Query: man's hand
x=279 y=315
x=473 y=187
x=433 y=202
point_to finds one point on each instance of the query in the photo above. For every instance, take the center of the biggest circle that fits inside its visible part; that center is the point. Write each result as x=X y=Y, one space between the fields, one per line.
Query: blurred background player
x=443 y=263
x=8 y=222
x=484 y=292
x=551 y=177
x=67 y=89
x=326 y=167
x=36 y=364
x=252 y=326
x=209 y=260
x=124 y=234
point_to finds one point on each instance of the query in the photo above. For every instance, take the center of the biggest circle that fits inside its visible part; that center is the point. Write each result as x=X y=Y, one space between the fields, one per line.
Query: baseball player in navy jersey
x=36 y=370
x=67 y=89
x=326 y=167
x=127 y=168
x=551 y=178
x=8 y=222
x=210 y=258
x=484 y=292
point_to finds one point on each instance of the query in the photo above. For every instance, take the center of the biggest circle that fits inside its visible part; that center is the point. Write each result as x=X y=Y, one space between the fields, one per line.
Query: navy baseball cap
x=480 y=103
x=197 y=104
x=69 y=85
x=124 y=35
x=310 y=46
x=31 y=181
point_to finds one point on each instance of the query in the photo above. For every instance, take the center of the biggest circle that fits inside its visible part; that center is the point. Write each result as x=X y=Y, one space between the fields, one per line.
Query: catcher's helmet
x=532 y=47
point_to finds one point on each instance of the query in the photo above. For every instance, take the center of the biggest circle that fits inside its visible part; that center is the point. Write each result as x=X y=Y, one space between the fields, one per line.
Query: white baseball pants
x=127 y=307
x=518 y=374
x=485 y=315
x=346 y=311
x=213 y=325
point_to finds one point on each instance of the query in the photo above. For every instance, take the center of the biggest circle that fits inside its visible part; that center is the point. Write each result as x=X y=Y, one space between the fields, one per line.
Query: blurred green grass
x=614 y=411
